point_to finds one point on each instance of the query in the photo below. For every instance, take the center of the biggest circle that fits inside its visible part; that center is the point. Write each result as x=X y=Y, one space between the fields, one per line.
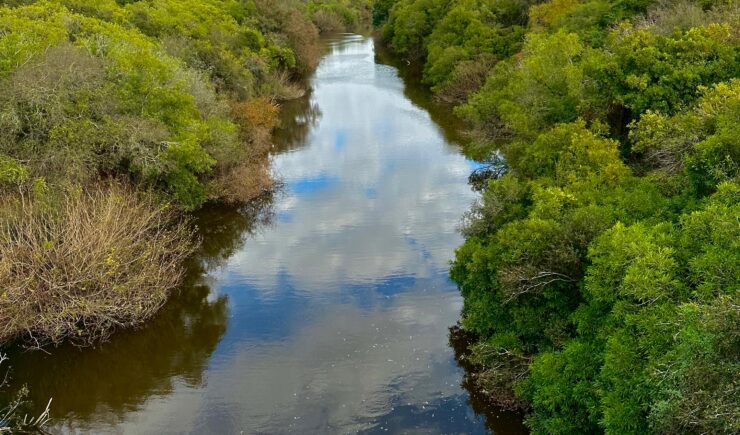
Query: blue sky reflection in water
x=340 y=310
x=337 y=312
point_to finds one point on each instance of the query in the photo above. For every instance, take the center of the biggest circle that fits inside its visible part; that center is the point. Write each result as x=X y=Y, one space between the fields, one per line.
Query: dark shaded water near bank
x=324 y=308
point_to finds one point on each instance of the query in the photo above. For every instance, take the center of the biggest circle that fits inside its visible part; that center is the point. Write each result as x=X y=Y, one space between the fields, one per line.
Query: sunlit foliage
x=601 y=272
x=141 y=89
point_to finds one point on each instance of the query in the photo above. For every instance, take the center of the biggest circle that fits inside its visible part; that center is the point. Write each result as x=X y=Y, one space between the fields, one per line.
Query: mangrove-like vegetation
x=601 y=266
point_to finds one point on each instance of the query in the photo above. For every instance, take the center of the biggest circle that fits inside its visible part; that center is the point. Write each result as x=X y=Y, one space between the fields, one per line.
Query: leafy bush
x=411 y=22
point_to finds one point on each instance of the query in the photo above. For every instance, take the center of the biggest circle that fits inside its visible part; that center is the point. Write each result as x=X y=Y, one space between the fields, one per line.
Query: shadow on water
x=297 y=118
x=498 y=421
x=452 y=127
x=171 y=349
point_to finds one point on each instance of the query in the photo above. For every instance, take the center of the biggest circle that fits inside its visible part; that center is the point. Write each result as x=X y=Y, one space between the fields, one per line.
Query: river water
x=324 y=308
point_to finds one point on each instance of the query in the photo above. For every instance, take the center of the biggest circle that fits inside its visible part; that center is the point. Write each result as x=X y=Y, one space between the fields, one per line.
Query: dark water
x=324 y=308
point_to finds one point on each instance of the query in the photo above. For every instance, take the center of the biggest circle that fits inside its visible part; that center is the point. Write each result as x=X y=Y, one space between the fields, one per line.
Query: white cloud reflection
x=340 y=310
x=376 y=193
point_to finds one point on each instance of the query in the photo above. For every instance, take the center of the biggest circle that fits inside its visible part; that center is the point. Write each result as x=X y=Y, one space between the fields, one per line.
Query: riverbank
x=120 y=120
x=117 y=121
x=598 y=270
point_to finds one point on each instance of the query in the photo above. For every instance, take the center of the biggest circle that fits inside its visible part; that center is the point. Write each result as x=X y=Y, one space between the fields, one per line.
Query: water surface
x=324 y=308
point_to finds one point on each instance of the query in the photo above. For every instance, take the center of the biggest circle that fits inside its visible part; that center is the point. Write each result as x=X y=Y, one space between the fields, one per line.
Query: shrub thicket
x=79 y=266
x=601 y=265
x=340 y=15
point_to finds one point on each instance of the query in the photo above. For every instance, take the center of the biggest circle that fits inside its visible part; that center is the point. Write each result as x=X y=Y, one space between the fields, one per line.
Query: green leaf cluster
x=143 y=90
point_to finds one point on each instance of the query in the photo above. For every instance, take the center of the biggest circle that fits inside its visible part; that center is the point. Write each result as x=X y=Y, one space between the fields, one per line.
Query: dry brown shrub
x=256 y=114
x=257 y=118
x=281 y=87
x=304 y=38
x=289 y=18
x=250 y=176
x=244 y=182
x=102 y=259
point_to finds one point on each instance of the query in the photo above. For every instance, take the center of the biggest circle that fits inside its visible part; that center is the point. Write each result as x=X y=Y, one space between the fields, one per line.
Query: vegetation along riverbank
x=116 y=119
x=600 y=269
x=600 y=266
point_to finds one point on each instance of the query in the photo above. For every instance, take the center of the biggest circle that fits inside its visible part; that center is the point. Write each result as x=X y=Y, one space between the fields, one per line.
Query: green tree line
x=601 y=265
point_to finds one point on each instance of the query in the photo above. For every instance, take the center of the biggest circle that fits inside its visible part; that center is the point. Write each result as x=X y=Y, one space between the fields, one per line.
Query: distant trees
x=601 y=271
x=340 y=15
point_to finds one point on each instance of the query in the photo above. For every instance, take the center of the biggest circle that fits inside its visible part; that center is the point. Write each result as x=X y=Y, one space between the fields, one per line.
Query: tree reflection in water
x=173 y=349
x=498 y=421
x=297 y=118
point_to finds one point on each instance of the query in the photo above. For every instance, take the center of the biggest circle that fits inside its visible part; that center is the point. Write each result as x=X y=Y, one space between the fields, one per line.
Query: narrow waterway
x=324 y=308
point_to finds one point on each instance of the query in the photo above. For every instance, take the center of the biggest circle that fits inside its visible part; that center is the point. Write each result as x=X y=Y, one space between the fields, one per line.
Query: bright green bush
x=148 y=96
x=541 y=90
x=701 y=143
x=601 y=271
x=469 y=31
x=51 y=108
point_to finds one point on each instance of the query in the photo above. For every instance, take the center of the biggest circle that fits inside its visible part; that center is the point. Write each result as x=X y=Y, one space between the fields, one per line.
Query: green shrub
x=600 y=272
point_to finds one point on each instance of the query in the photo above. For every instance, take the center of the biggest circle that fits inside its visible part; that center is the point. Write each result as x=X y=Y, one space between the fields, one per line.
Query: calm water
x=325 y=308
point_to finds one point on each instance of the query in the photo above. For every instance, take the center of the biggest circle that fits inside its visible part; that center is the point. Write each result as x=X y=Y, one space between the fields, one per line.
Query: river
x=323 y=308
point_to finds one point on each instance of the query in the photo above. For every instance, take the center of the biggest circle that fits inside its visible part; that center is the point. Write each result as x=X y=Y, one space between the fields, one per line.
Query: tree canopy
x=601 y=267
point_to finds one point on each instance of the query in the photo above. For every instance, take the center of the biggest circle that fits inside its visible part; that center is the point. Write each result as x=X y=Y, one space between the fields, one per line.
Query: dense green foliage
x=602 y=271
x=460 y=39
x=143 y=90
